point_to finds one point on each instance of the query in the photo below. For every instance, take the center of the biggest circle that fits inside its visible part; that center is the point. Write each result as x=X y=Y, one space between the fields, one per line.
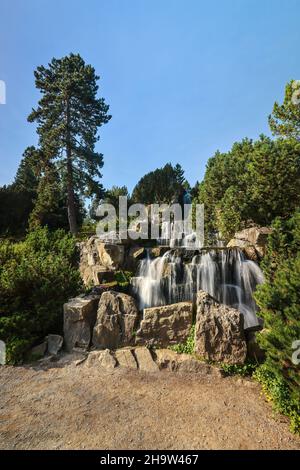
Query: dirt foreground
x=69 y=406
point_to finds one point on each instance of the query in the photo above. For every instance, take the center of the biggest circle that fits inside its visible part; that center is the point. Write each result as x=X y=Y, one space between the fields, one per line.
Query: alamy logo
x=2 y=353
x=2 y=92
x=296 y=93
x=173 y=224
x=296 y=353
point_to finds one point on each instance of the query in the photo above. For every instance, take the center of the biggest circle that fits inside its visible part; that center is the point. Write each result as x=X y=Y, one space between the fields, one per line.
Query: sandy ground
x=78 y=407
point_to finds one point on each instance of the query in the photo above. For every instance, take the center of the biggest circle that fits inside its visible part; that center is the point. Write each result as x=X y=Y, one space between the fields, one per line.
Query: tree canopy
x=68 y=116
x=285 y=118
x=160 y=186
x=251 y=184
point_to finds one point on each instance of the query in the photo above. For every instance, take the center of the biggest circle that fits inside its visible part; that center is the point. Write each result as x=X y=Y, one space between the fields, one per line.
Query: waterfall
x=226 y=274
x=173 y=235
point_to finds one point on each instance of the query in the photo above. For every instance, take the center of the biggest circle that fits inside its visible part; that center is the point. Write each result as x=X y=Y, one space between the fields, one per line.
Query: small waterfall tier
x=226 y=274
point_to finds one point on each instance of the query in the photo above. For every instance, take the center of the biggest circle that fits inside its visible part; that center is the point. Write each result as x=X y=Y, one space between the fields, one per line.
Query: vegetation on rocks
x=279 y=302
x=188 y=347
x=245 y=370
x=37 y=276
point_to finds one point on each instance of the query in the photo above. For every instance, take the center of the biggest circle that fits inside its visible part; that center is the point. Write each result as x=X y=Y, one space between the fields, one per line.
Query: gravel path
x=78 y=407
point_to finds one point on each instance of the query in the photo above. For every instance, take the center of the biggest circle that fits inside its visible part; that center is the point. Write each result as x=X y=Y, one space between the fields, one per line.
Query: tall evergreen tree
x=279 y=301
x=285 y=118
x=68 y=117
x=27 y=173
x=162 y=185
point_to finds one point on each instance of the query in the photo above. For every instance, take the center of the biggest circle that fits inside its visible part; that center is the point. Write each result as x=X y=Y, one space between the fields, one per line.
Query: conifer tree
x=68 y=117
x=285 y=118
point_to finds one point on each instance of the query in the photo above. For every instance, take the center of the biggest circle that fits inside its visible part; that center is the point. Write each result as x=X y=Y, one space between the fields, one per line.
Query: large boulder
x=125 y=358
x=111 y=255
x=54 y=344
x=103 y=358
x=99 y=260
x=145 y=360
x=79 y=318
x=117 y=320
x=39 y=350
x=165 y=325
x=252 y=241
x=184 y=363
x=133 y=256
x=219 y=331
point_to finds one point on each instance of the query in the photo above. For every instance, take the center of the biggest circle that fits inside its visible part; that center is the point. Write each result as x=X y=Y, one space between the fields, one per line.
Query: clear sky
x=183 y=78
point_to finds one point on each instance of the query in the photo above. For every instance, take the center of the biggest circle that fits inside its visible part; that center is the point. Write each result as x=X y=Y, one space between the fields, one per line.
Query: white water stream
x=225 y=274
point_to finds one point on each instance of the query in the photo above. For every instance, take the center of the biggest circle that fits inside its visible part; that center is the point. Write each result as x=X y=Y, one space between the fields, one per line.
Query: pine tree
x=162 y=185
x=285 y=119
x=26 y=178
x=68 y=117
x=279 y=301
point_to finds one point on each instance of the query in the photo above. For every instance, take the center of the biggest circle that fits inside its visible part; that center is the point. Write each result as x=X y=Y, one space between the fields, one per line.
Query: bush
x=245 y=370
x=123 y=280
x=36 y=277
x=253 y=183
x=278 y=392
x=279 y=302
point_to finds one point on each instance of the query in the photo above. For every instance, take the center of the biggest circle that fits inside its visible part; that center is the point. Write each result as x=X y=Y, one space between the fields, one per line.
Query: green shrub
x=187 y=347
x=122 y=279
x=279 y=302
x=245 y=370
x=276 y=390
x=36 y=277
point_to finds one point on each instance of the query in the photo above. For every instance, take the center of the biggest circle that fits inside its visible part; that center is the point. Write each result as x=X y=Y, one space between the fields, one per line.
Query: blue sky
x=183 y=78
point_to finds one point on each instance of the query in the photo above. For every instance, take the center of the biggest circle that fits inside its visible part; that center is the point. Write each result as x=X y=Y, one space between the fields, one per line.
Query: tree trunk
x=70 y=185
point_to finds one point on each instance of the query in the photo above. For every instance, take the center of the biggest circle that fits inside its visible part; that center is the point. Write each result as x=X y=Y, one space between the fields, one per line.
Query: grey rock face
x=252 y=241
x=166 y=325
x=79 y=318
x=117 y=319
x=126 y=358
x=145 y=360
x=219 y=332
x=54 y=344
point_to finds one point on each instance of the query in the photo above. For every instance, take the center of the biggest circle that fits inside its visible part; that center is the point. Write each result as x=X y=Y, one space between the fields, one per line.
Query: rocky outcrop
x=116 y=323
x=104 y=359
x=79 y=318
x=145 y=360
x=99 y=260
x=54 y=344
x=183 y=363
x=219 y=331
x=111 y=255
x=125 y=358
x=159 y=251
x=39 y=350
x=133 y=255
x=166 y=325
x=252 y=241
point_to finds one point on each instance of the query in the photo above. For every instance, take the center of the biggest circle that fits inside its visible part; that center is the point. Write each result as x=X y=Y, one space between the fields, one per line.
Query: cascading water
x=173 y=235
x=224 y=273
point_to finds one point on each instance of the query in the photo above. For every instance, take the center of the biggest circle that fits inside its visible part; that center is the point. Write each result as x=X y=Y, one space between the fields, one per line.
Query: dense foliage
x=68 y=116
x=285 y=118
x=37 y=276
x=35 y=198
x=162 y=185
x=279 y=301
x=251 y=184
